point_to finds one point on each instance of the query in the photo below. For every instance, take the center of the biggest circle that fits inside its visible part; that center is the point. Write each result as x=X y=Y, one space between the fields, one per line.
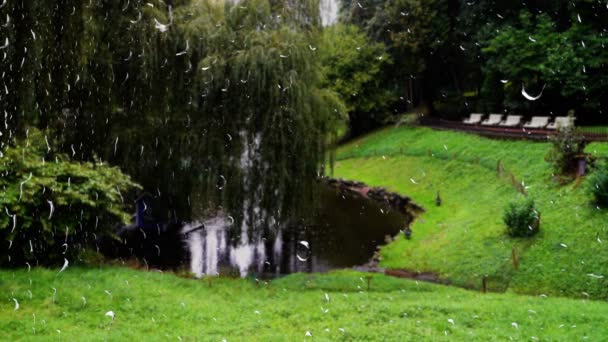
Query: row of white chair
x=536 y=122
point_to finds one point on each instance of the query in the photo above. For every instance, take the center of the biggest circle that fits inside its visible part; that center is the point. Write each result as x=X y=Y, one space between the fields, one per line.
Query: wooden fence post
x=514 y=257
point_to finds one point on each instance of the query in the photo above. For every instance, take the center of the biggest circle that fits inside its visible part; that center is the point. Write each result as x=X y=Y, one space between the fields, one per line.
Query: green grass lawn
x=152 y=306
x=464 y=239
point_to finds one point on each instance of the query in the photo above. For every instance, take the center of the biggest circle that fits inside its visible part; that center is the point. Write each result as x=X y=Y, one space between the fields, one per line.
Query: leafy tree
x=204 y=102
x=353 y=68
x=566 y=66
x=55 y=208
x=415 y=33
x=360 y=12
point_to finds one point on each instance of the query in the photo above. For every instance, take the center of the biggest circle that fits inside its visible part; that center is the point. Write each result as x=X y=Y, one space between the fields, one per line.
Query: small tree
x=54 y=208
x=353 y=69
x=567 y=145
x=521 y=218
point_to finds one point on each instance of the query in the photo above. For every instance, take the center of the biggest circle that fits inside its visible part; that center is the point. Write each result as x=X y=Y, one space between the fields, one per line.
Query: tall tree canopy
x=208 y=104
x=451 y=55
x=353 y=67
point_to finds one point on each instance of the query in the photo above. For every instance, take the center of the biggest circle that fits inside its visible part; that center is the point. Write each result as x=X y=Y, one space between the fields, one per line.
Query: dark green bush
x=598 y=185
x=451 y=107
x=521 y=218
x=54 y=208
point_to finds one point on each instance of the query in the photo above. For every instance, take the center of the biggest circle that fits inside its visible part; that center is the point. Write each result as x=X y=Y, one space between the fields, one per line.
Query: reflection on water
x=346 y=230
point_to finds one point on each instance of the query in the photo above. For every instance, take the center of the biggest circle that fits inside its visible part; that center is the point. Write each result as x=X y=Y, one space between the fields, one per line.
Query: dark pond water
x=346 y=231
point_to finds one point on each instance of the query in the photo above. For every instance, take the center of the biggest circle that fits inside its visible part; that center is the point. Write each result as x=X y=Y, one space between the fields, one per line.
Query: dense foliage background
x=453 y=57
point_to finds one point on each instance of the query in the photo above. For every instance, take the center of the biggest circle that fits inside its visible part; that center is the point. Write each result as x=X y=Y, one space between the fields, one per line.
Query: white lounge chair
x=493 y=120
x=561 y=121
x=538 y=122
x=511 y=121
x=474 y=119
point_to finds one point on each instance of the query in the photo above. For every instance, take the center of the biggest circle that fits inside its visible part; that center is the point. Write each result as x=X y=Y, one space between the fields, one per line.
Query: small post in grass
x=514 y=257
x=369 y=280
x=484 y=284
x=407 y=232
x=499 y=168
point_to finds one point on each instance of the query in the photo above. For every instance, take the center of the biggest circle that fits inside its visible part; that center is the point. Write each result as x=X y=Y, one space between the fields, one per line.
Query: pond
x=345 y=230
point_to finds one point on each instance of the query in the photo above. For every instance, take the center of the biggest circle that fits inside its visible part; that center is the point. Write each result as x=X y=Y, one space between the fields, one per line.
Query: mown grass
x=152 y=306
x=464 y=238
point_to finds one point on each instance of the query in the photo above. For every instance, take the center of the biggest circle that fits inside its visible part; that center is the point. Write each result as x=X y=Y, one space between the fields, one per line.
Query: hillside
x=464 y=238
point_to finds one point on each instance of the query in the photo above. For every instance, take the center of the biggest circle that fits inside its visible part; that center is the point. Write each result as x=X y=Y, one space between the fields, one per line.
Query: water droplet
x=160 y=27
x=52 y=208
x=303 y=251
x=65 y=265
x=221 y=183
x=530 y=97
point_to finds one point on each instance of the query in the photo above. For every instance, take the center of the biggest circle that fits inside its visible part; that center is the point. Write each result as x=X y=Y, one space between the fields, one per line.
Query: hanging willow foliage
x=211 y=105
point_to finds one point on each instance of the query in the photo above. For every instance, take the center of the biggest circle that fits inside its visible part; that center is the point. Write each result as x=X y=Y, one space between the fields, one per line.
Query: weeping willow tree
x=243 y=122
x=211 y=105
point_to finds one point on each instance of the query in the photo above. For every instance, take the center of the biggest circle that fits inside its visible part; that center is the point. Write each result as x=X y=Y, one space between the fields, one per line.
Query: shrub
x=54 y=208
x=598 y=185
x=567 y=145
x=521 y=218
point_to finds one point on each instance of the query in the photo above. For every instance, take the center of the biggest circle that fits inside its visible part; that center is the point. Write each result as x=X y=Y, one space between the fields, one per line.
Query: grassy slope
x=464 y=238
x=152 y=306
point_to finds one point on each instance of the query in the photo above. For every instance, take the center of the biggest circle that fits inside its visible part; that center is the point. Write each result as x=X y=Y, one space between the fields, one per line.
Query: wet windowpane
x=312 y=169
